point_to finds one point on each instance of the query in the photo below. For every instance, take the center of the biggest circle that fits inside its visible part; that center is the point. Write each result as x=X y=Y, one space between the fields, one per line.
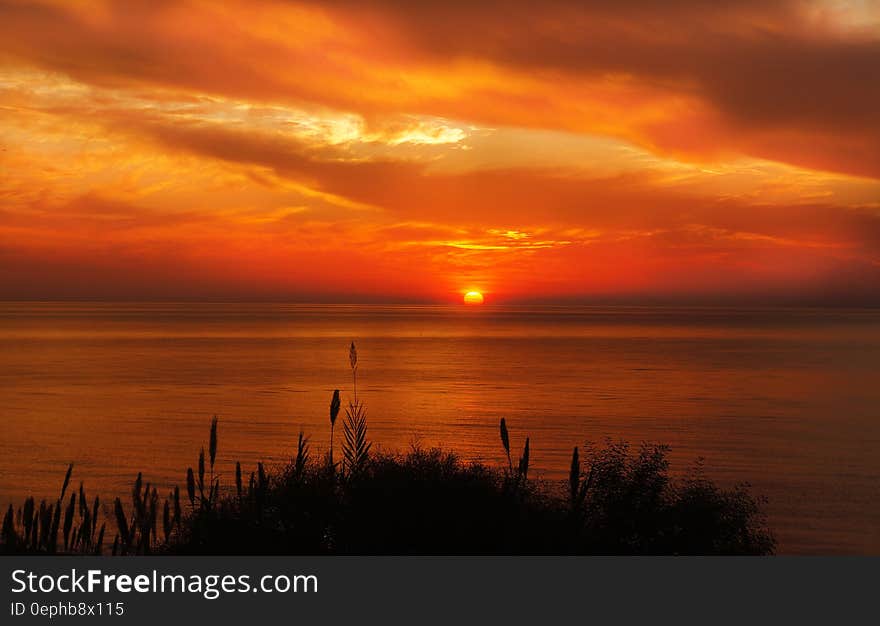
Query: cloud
x=791 y=81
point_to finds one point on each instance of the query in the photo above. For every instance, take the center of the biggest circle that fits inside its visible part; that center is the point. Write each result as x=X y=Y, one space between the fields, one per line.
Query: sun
x=473 y=297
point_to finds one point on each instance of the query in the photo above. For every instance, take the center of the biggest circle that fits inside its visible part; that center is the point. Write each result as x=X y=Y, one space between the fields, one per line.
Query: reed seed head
x=201 y=468
x=524 y=461
x=238 y=485
x=505 y=437
x=334 y=406
x=212 y=447
x=191 y=485
x=66 y=480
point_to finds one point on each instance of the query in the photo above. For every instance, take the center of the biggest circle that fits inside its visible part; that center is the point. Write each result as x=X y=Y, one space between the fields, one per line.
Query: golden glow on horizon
x=473 y=297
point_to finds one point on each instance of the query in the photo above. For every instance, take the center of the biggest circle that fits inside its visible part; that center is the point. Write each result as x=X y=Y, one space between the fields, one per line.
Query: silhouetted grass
x=424 y=501
x=32 y=529
x=617 y=500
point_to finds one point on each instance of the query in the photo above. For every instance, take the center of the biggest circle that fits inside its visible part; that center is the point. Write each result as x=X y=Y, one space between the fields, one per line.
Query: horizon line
x=585 y=303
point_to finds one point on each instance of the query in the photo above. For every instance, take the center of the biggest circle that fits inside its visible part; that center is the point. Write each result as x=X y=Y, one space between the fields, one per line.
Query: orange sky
x=382 y=151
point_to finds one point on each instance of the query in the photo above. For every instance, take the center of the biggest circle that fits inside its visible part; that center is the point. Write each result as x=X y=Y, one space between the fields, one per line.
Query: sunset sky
x=639 y=151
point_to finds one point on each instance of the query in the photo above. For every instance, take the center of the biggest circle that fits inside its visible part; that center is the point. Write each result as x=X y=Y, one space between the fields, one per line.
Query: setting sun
x=473 y=297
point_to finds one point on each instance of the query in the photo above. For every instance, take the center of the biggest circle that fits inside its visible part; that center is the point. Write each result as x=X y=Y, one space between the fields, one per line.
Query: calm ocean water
x=787 y=400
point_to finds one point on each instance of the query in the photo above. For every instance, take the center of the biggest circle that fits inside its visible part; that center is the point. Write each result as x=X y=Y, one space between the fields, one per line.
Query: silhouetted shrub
x=431 y=502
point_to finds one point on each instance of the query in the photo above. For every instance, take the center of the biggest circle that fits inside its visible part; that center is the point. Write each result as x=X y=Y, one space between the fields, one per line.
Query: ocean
x=787 y=400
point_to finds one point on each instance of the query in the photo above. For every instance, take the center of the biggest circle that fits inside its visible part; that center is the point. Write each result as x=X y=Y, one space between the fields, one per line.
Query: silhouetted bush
x=633 y=506
x=431 y=502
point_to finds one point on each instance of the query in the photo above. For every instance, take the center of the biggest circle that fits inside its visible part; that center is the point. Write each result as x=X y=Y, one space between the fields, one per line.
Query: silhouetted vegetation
x=426 y=501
